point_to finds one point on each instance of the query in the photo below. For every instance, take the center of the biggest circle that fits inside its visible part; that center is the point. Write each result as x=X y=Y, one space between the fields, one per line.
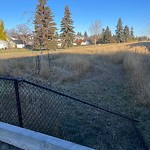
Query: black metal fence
x=39 y=108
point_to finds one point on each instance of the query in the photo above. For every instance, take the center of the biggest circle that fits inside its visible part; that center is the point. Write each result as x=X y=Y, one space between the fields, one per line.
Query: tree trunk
x=95 y=40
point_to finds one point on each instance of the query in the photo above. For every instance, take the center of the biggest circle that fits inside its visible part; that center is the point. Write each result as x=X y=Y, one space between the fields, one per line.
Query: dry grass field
x=115 y=76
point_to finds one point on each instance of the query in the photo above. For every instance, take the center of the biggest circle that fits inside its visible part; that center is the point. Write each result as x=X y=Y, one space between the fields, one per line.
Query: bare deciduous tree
x=12 y=32
x=22 y=32
x=146 y=30
x=95 y=29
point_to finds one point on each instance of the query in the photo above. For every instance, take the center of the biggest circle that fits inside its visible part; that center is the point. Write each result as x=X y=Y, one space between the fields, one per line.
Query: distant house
x=59 y=43
x=12 y=44
x=19 y=43
x=15 y=43
x=29 y=42
x=74 y=43
x=87 y=42
x=3 y=44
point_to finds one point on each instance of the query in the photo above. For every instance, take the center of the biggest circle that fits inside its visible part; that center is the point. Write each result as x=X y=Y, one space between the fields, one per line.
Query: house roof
x=18 y=41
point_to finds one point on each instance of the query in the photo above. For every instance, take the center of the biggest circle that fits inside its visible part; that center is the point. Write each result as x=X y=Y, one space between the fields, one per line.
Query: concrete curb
x=31 y=140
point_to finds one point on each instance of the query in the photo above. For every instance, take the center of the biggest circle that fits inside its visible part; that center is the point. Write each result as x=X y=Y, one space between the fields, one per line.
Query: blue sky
x=134 y=13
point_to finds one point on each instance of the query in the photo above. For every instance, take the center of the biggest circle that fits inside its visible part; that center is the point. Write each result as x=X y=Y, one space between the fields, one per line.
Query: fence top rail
x=70 y=97
x=31 y=140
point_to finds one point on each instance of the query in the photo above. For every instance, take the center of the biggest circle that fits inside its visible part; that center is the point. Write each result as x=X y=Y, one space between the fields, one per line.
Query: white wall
x=20 y=45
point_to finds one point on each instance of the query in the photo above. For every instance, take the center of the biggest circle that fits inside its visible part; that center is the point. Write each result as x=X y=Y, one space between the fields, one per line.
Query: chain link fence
x=39 y=108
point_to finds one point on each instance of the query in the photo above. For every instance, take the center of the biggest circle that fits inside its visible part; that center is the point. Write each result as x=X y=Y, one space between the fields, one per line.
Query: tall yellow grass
x=64 y=68
x=135 y=66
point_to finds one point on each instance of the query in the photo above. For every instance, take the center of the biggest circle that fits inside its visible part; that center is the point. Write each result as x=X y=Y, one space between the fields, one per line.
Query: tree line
x=45 y=35
x=122 y=34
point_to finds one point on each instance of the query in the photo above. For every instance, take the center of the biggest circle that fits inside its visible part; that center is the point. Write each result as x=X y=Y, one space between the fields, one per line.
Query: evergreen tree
x=67 y=29
x=107 y=36
x=113 y=39
x=79 y=35
x=103 y=32
x=126 y=33
x=85 y=35
x=101 y=40
x=2 y=31
x=44 y=34
x=119 y=32
x=57 y=35
x=132 y=33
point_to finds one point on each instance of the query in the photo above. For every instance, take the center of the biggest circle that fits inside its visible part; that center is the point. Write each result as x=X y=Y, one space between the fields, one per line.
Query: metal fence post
x=18 y=103
x=38 y=64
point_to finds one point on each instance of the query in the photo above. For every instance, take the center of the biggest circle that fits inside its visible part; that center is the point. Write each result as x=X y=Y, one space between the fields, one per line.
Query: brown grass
x=134 y=64
x=72 y=64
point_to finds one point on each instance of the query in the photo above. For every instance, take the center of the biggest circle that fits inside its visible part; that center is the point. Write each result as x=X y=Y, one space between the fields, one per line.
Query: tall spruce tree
x=132 y=33
x=44 y=26
x=119 y=32
x=79 y=34
x=101 y=40
x=103 y=31
x=67 y=29
x=126 y=33
x=2 y=31
x=85 y=35
x=107 y=36
x=56 y=35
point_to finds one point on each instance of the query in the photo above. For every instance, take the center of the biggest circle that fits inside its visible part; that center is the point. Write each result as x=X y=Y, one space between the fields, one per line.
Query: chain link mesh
x=8 y=105
x=53 y=114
